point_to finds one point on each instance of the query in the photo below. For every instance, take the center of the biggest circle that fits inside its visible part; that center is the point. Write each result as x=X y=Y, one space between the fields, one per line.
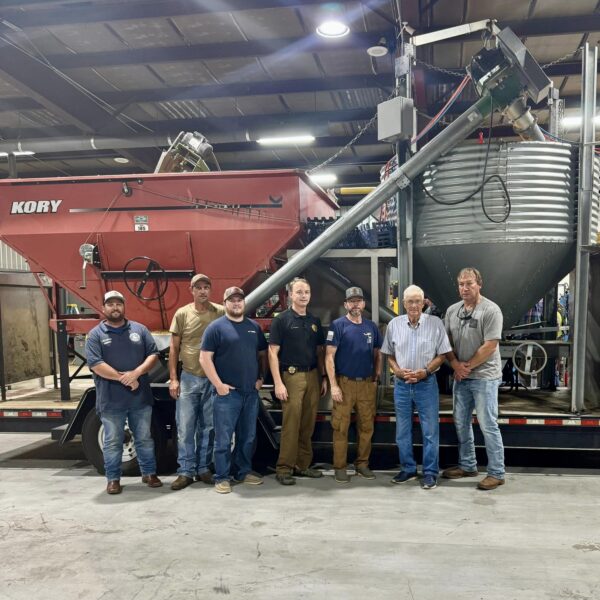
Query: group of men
x=224 y=356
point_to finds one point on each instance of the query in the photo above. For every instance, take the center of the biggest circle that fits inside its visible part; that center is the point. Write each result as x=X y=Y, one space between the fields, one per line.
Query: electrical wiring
x=444 y=109
x=481 y=188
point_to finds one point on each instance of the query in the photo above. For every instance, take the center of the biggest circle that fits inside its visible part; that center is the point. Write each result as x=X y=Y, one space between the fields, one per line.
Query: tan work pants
x=360 y=396
x=298 y=420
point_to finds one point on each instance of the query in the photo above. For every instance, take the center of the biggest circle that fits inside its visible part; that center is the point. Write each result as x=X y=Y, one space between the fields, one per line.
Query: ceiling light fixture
x=121 y=160
x=380 y=49
x=18 y=153
x=333 y=28
x=286 y=140
x=323 y=179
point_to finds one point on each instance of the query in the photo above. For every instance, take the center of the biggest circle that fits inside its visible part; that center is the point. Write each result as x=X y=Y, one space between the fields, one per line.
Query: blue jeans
x=423 y=395
x=481 y=394
x=195 y=430
x=234 y=413
x=114 y=433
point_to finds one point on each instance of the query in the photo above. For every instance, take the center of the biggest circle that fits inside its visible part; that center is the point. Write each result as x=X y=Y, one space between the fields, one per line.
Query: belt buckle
x=291 y=370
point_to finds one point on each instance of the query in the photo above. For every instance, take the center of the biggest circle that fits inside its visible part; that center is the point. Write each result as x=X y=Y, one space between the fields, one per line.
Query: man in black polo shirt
x=296 y=360
x=120 y=353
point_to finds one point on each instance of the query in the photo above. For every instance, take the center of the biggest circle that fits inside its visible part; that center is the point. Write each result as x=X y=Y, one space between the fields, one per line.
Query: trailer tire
x=91 y=439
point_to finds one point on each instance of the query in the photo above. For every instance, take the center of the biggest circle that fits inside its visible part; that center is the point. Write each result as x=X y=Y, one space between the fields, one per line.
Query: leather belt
x=291 y=369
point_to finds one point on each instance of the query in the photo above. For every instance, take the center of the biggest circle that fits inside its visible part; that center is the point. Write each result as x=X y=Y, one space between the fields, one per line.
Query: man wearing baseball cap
x=192 y=390
x=234 y=358
x=120 y=353
x=353 y=364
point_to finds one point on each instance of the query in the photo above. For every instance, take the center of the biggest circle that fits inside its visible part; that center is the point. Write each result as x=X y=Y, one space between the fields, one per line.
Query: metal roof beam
x=52 y=12
x=153 y=55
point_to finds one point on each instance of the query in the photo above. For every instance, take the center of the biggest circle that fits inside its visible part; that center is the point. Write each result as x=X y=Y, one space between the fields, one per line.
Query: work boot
x=285 y=479
x=311 y=473
x=341 y=476
x=152 y=481
x=458 y=473
x=365 y=472
x=206 y=477
x=181 y=482
x=490 y=483
x=114 y=487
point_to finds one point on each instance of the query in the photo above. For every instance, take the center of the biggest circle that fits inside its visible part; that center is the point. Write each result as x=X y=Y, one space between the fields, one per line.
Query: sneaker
x=285 y=479
x=429 y=482
x=223 y=487
x=365 y=472
x=490 y=483
x=458 y=473
x=312 y=473
x=206 y=477
x=251 y=479
x=404 y=476
x=341 y=476
x=181 y=482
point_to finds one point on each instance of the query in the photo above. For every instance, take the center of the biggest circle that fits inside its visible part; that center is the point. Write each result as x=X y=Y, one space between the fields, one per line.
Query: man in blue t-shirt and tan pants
x=353 y=364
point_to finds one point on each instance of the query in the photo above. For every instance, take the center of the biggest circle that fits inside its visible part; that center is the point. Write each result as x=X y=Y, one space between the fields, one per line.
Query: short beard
x=112 y=319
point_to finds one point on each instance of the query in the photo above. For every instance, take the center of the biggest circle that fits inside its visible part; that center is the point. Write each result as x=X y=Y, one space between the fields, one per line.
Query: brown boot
x=181 y=482
x=490 y=483
x=458 y=473
x=152 y=481
x=114 y=487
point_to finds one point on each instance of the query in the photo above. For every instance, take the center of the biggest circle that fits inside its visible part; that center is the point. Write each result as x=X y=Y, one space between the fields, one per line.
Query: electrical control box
x=395 y=119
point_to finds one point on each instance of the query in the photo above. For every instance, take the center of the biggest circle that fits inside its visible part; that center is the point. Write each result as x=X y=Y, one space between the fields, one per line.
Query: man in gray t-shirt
x=474 y=326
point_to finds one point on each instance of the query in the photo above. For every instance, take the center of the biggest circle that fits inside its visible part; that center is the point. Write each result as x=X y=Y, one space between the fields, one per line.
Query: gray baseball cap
x=354 y=292
x=113 y=296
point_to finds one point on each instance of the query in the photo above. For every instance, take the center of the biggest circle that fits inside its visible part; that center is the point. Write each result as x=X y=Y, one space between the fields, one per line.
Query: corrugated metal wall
x=11 y=260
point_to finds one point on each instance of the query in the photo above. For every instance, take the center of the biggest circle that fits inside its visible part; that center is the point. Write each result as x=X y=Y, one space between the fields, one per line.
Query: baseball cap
x=200 y=277
x=354 y=292
x=232 y=291
x=113 y=295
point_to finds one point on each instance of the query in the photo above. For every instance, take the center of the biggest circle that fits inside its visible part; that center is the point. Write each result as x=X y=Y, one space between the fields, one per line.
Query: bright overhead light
x=333 y=29
x=379 y=50
x=324 y=178
x=286 y=140
x=574 y=121
x=121 y=159
x=19 y=153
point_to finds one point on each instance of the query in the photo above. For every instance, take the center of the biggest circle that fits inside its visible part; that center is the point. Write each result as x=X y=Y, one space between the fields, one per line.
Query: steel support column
x=586 y=181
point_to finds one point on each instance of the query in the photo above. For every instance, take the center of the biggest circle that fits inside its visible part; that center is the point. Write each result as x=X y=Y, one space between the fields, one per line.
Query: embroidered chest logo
x=135 y=337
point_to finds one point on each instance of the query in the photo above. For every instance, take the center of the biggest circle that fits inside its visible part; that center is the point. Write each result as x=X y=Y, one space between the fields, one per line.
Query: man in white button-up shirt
x=416 y=344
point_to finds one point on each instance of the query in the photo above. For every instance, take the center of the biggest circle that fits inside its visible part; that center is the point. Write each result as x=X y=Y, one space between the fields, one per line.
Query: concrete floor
x=62 y=537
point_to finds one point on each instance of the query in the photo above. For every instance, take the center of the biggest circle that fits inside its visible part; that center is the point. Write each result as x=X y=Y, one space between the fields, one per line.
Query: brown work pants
x=299 y=413
x=360 y=396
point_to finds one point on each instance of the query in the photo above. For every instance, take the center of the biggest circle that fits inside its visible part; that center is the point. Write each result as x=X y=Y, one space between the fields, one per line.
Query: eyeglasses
x=414 y=302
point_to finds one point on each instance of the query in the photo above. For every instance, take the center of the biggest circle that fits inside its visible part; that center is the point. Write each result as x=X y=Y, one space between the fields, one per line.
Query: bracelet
x=427 y=372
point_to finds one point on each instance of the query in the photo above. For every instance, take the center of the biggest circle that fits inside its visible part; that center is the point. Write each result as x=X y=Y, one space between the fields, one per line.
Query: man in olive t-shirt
x=193 y=393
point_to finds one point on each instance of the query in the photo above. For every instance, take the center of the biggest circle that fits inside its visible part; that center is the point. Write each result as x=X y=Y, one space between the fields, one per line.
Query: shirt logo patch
x=330 y=336
x=369 y=336
x=134 y=337
x=106 y=341
x=314 y=327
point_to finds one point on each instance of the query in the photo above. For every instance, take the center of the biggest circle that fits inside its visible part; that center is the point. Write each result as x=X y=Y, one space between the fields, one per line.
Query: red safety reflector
x=554 y=422
x=446 y=420
x=516 y=421
x=590 y=422
x=24 y=414
x=54 y=414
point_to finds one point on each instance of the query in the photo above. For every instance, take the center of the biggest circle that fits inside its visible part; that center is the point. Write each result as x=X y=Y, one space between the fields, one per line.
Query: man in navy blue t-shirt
x=234 y=358
x=353 y=364
x=120 y=353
